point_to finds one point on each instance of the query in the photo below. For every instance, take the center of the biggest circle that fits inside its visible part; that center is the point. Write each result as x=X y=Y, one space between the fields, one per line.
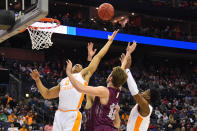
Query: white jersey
x=69 y=97
x=137 y=122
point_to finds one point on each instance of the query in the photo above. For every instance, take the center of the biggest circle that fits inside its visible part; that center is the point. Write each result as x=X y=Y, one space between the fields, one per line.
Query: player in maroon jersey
x=89 y=122
x=106 y=99
x=90 y=99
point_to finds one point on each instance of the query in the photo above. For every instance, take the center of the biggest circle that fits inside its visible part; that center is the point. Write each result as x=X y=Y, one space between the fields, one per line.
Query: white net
x=41 y=38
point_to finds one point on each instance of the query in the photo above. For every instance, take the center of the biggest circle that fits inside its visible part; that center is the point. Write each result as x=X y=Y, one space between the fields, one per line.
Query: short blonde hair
x=119 y=76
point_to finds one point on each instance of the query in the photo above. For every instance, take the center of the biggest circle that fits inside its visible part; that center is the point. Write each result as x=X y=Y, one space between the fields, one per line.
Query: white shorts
x=67 y=121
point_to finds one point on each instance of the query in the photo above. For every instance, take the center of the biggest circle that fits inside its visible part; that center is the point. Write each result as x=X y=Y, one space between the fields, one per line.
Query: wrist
x=37 y=80
x=89 y=58
x=110 y=40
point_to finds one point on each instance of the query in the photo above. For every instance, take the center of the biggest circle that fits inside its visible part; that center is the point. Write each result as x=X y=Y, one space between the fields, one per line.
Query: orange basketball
x=106 y=11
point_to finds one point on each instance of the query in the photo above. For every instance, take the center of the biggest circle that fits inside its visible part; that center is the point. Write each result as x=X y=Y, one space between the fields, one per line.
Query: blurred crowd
x=28 y=114
x=171 y=3
x=176 y=81
x=130 y=23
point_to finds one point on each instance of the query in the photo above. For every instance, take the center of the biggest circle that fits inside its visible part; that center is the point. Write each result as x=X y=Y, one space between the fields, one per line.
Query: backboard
x=25 y=17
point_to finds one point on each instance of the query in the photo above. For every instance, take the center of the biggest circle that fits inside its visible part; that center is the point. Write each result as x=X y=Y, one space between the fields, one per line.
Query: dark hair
x=119 y=76
x=155 y=97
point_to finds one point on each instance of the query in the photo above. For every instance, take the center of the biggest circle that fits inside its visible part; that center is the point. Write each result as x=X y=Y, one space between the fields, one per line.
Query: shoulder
x=103 y=88
x=64 y=79
x=104 y=91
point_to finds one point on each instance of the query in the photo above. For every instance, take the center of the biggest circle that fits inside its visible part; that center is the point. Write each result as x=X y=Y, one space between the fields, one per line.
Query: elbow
x=46 y=95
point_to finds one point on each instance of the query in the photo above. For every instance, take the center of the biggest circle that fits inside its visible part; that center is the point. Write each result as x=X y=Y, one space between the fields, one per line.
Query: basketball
x=106 y=11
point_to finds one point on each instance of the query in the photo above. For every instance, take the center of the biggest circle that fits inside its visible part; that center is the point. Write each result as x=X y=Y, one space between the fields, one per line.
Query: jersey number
x=112 y=112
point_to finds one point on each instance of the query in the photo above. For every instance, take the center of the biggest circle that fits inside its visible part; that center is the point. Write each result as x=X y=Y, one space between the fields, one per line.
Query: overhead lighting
x=132 y=13
x=92 y=19
x=66 y=3
x=97 y=8
x=26 y=95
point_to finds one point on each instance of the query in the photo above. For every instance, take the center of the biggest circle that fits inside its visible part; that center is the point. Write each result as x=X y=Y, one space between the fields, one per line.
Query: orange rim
x=45 y=20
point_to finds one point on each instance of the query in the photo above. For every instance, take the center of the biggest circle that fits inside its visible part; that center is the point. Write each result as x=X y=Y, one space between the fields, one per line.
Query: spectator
x=12 y=128
x=165 y=118
x=30 y=128
x=23 y=128
x=41 y=129
x=9 y=110
x=29 y=118
x=171 y=119
x=12 y=117
x=3 y=116
x=48 y=127
x=34 y=125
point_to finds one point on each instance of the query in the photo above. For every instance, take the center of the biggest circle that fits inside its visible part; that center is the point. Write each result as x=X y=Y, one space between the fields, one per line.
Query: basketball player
x=89 y=123
x=90 y=100
x=68 y=117
x=139 y=118
x=106 y=99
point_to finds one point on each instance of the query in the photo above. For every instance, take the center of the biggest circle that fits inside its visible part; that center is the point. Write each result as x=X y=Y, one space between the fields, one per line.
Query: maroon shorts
x=104 y=128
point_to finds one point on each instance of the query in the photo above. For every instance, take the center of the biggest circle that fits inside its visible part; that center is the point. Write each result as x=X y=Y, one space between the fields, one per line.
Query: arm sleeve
x=131 y=83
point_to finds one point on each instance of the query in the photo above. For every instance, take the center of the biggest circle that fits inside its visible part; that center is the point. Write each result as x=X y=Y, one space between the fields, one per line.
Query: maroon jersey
x=89 y=120
x=105 y=114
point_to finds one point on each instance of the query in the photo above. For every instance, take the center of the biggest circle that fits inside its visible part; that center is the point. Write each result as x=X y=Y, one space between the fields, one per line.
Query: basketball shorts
x=104 y=128
x=67 y=121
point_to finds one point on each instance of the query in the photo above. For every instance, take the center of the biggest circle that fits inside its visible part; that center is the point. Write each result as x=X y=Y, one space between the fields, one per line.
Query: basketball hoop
x=41 y=32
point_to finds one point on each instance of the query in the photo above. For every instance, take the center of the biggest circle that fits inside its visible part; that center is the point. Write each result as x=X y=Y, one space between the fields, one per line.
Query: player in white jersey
x=139 y=118
x=68 y=117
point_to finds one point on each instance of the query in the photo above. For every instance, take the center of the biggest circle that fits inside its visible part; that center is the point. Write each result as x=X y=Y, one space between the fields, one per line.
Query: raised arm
x=46 y=93
x=88 y=71
x=143 y=103
x=89 y=90
x=126 y=60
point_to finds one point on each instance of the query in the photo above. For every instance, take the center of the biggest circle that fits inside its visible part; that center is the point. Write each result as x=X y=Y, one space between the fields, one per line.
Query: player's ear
x=110 y=78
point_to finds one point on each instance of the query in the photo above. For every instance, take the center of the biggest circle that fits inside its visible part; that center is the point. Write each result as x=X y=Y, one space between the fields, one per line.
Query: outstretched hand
x=131 y=48
x=35 y=75
x=126 y=59
x=68 y=67
x=91 y=52
x=111 y=38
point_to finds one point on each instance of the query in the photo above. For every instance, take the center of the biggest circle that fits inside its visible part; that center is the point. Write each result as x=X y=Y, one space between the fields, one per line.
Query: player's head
x=117 y=77
x=152 y=96
x=77 y=68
